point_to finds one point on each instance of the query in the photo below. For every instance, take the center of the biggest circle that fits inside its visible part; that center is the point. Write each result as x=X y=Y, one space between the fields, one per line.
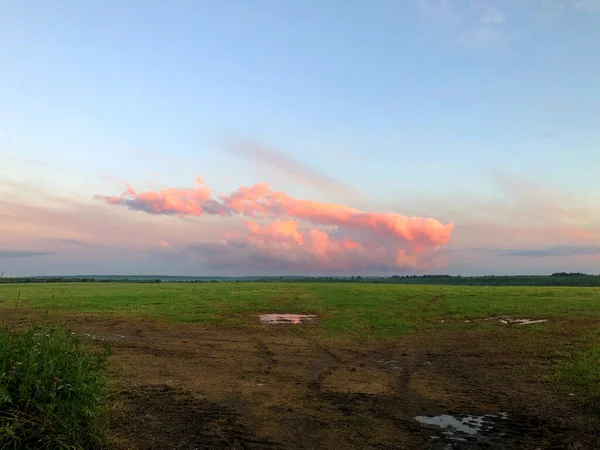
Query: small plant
x=52 y=390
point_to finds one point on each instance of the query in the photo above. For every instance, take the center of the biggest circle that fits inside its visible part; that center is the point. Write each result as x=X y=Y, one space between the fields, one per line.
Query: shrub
x=52 y=390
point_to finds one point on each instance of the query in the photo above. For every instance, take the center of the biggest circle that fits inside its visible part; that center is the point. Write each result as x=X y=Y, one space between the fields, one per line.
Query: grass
x=387 y=310
x=52 y=390
x=357 y=311
x=578 y=371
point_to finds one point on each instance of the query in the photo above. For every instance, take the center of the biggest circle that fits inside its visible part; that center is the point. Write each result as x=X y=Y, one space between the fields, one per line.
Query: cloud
x=298 y=170
x=81 y=228
x=287 y=246
x=513 y=213
x=302 y=233
x=558 y=105
x=488 y=32
x=551 y=251
x=10 y=155
x=567 y=250
x=493 y=16
x=482 y=25
x=550 y=10
x=481 y=37
x=535 y=203
x=546 y=135
x=4 y=254
x=438 y=10
x=474 y=25
x=588 y=5
x=147 y=154
x=72 y=242
x=510 y=201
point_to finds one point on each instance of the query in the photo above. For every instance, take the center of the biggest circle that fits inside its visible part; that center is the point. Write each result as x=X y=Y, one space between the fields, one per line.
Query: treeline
x=556 y=279
x=9 y=280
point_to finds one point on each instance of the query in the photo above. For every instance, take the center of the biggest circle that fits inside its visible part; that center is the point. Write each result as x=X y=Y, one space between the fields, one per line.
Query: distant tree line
x=556 y=279
x=13 y=280
x=569 y=274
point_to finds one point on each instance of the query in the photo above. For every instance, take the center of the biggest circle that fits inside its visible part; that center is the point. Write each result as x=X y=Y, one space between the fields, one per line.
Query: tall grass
x=579 y=371
x=52 y=390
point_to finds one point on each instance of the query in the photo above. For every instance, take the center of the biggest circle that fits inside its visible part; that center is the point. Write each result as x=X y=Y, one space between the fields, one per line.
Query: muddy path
x=196 y=387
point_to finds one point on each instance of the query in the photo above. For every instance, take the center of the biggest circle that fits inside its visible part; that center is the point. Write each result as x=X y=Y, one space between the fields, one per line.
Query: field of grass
x=364 y=311
x=370 y=314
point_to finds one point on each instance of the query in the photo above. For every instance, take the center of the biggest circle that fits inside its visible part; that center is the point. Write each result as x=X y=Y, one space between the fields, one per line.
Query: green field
x=563 y=352
x=345 y=310
x=384 y=311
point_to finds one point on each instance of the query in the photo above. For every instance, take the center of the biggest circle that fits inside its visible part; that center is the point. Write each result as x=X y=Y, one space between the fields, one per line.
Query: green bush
x=52 y=390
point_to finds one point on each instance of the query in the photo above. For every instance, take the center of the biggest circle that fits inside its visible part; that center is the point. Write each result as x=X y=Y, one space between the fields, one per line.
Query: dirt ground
x=197 y=387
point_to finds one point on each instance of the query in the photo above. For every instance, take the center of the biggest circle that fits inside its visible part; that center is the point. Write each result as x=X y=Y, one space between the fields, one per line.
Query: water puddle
x=391 y=364
x=456 y=430
x=507 y=320
x=286 y=318
x=527 y=321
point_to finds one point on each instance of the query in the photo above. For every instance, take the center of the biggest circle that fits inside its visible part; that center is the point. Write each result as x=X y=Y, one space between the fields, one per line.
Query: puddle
x=391 y=364
x=286 y=318
x=506 y=320
x=469 y=425
x=528 y=321
x=104 y=338
x=466 y=428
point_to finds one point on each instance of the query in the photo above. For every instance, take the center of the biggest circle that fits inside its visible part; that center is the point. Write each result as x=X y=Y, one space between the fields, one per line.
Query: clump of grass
x=52 y=390
x=580 y=374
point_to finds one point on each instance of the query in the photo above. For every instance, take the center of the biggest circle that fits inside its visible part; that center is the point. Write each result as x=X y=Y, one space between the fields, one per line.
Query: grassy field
x=379 y=311
x=440 y=324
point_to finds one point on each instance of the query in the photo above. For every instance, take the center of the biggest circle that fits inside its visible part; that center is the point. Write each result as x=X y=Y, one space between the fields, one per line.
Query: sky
x=330 y=137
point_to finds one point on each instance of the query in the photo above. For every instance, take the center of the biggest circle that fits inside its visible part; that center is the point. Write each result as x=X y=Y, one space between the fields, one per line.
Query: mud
x=265 y=387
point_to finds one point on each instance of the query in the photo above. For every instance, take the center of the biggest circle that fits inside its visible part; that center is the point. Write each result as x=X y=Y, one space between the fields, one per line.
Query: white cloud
x=588 y=5
x=550 y=10
x=493 y=16
x=482 y=37
x=475 y=25
x=482 y=24
x=438 y=10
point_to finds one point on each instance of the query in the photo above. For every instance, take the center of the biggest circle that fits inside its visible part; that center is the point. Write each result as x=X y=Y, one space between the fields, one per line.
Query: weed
x=52 y=390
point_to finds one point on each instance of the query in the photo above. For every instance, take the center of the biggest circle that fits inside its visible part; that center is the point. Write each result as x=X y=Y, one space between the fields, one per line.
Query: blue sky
x=470 y=112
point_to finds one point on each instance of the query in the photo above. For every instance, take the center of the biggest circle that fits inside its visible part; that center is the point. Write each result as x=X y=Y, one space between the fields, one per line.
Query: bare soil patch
x=152 y=417
x=196 y=387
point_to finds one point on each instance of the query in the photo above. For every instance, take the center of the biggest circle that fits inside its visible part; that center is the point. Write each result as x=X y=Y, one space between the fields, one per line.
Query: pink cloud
x=302 y=233
x=286 y=246
x=285 y=241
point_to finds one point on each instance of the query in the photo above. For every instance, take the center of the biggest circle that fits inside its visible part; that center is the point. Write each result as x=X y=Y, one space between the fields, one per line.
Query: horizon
x=322 y=138
x=425 y=275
